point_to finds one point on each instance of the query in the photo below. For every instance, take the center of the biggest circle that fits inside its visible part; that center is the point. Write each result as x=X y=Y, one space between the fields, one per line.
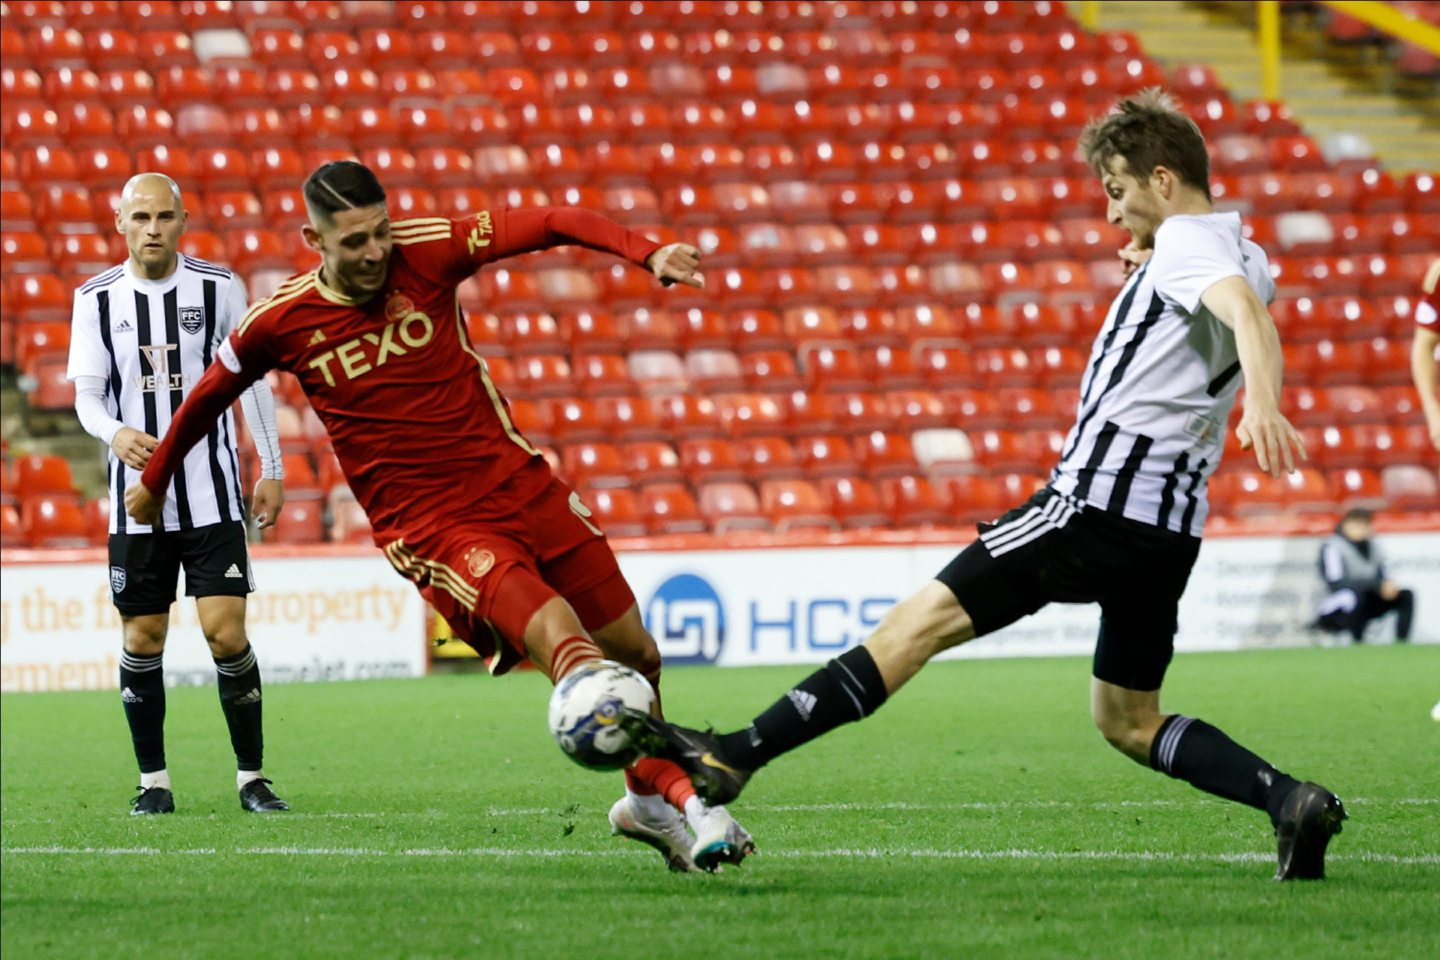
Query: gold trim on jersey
x=1432 y=278
x=430 y=237
x=490 y=388
x=287 y=291
x=335 y=296
x=414 y=223
x=418 y=570
x=420 y=230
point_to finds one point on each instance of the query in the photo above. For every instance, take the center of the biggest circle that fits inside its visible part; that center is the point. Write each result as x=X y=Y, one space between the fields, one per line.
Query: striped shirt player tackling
x=142 y=335
x=1120 y=520
x=463 y=505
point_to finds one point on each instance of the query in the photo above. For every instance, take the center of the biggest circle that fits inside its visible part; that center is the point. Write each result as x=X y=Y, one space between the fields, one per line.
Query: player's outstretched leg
x=1305 y=815
x=851 y=687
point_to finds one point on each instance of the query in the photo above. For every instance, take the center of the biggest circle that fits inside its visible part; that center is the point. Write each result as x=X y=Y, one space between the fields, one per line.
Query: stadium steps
x=1327 y=97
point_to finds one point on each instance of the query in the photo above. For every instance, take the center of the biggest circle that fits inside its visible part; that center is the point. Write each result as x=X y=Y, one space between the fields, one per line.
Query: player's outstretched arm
x=210 y=398
x=1275 y=441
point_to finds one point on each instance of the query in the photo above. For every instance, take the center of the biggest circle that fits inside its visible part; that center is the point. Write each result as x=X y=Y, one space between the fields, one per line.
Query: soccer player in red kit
x=461 y=503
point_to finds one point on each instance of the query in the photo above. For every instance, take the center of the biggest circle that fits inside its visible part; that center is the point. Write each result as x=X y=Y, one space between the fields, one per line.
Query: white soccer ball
x=585 y=713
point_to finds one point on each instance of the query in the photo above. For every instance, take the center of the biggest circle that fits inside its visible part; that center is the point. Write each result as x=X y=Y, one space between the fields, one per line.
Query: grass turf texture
x=978 y=815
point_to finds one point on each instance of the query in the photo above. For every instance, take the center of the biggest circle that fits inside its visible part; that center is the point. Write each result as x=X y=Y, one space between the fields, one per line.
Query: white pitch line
x=900 y=806
x=870 y=853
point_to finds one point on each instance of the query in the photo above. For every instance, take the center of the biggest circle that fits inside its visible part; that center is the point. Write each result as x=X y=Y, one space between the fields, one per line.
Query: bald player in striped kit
x=142 y=334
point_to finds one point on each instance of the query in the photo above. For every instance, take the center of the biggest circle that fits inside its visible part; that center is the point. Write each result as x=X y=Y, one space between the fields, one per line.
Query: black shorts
x=145 y=567
x=1054 y=549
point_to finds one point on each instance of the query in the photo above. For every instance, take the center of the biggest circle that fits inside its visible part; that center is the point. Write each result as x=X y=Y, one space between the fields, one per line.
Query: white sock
x=696 y=813
x=160 y=778
x=245 y=776
x=651 y=806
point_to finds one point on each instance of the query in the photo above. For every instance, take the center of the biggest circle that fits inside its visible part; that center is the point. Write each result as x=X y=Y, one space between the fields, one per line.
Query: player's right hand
x=1278 y=445
x=676 y=263
x=133 y=447
x=141 y=504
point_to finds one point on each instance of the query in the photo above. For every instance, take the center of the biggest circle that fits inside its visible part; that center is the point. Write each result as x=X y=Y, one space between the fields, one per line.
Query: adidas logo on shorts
x=234 y=573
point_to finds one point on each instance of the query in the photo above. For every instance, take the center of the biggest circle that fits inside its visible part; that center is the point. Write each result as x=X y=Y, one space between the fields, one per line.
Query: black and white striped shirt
x=150 y=340
x=1162 y=378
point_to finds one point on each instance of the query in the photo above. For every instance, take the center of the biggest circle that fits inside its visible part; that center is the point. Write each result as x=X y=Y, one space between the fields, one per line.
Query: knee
x=226 y=639
x=1129 y=731
x=145 y=639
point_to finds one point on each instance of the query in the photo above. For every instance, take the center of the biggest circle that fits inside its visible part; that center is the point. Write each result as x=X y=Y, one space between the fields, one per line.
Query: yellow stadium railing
x=1385 y=17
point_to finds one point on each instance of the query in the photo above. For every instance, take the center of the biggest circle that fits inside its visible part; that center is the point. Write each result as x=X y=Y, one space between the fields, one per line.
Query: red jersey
x=419 y=428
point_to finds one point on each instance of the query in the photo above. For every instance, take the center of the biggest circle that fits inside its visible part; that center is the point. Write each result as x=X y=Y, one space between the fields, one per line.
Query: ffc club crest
x=117 y=579
x=192 y=319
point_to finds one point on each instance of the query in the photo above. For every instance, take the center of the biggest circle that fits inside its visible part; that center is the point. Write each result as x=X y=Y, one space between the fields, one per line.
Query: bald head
x=151 y=218
x=149 y=185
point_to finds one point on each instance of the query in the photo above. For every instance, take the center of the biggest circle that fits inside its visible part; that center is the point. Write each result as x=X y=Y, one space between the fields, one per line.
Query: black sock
x=241 y=700
x=1192 y=750
x=142 y=689
x=1404 y=615
x=848 y=688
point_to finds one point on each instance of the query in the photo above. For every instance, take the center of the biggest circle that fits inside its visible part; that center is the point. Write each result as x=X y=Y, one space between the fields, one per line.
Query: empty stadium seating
x=904 y=261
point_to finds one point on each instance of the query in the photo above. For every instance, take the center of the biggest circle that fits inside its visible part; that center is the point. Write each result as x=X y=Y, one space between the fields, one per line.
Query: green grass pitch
x=977 y=815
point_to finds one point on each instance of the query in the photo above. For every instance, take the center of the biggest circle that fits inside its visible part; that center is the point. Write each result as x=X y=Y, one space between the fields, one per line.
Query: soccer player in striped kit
x=462 y=504
x=142 y=335
x=1119 y=523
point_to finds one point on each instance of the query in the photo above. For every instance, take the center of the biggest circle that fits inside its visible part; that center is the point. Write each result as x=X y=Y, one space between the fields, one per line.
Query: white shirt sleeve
x=88 y=356
x=92 y=410
x=1189 y=259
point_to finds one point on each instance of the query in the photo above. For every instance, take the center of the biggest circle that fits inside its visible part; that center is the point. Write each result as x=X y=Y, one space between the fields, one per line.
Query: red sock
x=651 y=775
x=571 y=653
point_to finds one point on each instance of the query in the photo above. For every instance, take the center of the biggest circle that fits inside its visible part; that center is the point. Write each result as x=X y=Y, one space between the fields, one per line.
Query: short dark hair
x=341 y=185
x=1149 y=131
x=1358 y=513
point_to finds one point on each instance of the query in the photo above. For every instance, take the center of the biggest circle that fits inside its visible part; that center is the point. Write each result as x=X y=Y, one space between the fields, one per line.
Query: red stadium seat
x=827 y=456
x=597 y=374
x=651 y=461
x=97 y=520
x=913 y=501
x=41 y=339
x=669 y=508
x=25 y=253
x=795 y=504
x=768 y=457
x=684 y=415
x=710 y=459
x=301 y=522
x=54 y=521
x=617 y=511
x=37 y=474
x=37 y=297
x=748 y=414
x=636 y=419
x=593 y=465
x=731 y=506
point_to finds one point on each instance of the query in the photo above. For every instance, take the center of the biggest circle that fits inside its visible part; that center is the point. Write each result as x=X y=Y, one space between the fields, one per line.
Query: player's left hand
x=1275 y=441
x=265 y=506
x=676 y=263
x=141 y=504
x=1132 y=258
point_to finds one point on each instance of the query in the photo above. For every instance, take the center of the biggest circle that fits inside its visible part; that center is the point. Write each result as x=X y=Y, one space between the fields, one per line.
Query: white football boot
x=719 y=839
x=668 y=834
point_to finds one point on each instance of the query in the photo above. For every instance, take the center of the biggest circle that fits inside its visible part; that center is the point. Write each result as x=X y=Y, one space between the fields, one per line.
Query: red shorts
x=462 y=568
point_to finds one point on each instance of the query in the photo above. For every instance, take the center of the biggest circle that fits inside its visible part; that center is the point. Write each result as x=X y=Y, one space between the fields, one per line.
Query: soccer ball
x=585 y=713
